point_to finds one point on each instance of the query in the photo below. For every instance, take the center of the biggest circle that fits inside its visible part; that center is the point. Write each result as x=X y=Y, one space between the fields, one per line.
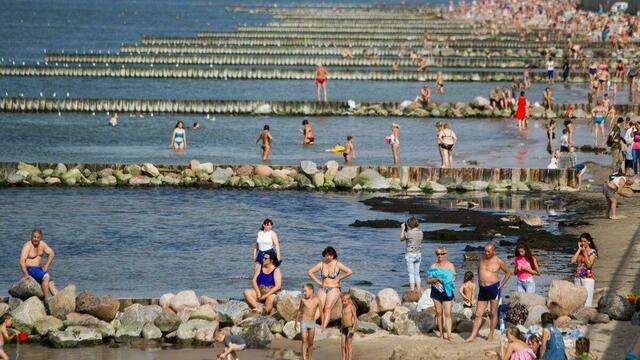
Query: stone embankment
x=307 y=176
x=186 y=319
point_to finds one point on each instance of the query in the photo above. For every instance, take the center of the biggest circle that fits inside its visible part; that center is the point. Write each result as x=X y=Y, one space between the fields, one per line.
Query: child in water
x=232 y=344
x=468 y=290
x=348 y=326
x=5 y=323
x=305 y=319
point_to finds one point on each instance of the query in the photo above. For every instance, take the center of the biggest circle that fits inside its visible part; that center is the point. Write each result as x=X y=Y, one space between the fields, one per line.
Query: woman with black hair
x=267 y=243
x=585 y=257
x=332 y=272
x=525 y=267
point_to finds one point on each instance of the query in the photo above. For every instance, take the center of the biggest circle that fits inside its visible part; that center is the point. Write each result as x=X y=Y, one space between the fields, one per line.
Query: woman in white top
x=394 y=141
x=267 y=242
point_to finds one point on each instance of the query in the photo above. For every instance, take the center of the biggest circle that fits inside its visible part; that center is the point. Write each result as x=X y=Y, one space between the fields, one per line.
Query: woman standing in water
x=394 y=141
x=447 y=140
x=267 y=139
x=332 y=272
x=267 y=243
x=521 y=110
x=307 y=133
x=599 y=114
x=440 y=150
x=179 y=137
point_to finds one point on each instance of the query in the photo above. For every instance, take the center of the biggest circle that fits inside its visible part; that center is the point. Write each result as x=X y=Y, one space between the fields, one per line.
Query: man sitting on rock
x=31 y=263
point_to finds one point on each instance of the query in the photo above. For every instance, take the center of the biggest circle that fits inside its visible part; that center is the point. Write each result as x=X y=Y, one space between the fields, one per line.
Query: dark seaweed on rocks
x=377 y=224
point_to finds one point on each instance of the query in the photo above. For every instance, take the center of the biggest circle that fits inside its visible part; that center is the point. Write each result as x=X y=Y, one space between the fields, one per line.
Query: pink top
x=523 y=354
x=636 y=141
x=522 y=262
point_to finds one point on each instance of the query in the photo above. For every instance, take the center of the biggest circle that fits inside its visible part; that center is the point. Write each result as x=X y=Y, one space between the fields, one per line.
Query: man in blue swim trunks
x=490 y=287
x=31 y=263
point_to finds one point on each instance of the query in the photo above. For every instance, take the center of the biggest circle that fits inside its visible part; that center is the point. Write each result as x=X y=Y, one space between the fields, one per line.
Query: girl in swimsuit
x=332 y=273
x=266 y=283
x=598 y=113
x=179 y=137
x=394 y=141
x=321 y=80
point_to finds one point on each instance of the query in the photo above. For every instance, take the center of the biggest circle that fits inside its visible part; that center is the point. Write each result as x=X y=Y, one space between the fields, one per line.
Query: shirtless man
x=31 y=263
x=266 y=138
x=308 y=311
x=321 y=80
x=490 y=287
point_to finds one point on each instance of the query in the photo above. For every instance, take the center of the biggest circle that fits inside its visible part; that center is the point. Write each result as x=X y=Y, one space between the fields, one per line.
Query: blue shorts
x=550 y=73
x=489 y=292
x=579 y=167
x=37 y=273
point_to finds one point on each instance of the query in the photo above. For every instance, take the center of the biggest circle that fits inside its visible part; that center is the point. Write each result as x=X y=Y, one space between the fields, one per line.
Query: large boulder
x=184 y=299
x=616 y=306
x=411 y=296
x=308 y=167
x=63 y=303
x=258 y=335
x=231 y=312
x=287 y=303
x=106 y=330
x=263 y=170
x=365 y=327
x=151 y=332
x=584 y=315
x=44 y=326
x=564 y=297
x=291 y=331
x=187 y=331
x=365 y=301
x=165 y=300
x=103 y=307
x=424 y=321
x=372 y=180
x=204 y=312
x=150 y=169
x=480 y=102
x=167 y=322
x=221 y=175
x=403 y=325
x=531 y=219
x=4 y=308
x=29 y=312
x=75 y=336
x=32 y=170
x=526 y=299
x=386 y=321
x=534 y=314
x=140 y=313
x=370 y=317
x=344 y=177
x=26 y=288
x=387 y=300
x=128 y=328
x=332 y=167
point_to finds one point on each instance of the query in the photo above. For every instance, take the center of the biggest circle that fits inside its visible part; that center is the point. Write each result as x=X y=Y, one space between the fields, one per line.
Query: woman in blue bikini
x=179 y=137
x=599 y=114
x=332 y=272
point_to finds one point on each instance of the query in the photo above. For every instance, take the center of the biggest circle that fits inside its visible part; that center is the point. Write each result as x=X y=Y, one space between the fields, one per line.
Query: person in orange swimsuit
x=321 y=80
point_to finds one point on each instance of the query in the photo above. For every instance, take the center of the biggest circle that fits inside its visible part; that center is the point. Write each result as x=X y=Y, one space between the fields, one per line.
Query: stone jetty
x=186 y=319
x=306 y=176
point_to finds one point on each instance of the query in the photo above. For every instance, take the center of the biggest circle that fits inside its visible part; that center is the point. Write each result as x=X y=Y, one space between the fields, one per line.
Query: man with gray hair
x=490 y=287
x=31 y=263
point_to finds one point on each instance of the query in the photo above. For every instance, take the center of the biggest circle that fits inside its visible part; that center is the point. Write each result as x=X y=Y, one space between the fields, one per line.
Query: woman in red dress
x=521 y=110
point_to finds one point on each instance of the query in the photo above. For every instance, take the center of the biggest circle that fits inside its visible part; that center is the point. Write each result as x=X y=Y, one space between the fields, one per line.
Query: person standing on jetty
x=490 y=288
x=307 y=133
x=267 y=139
x=321 y=80
x=31 y=263
x=330 y=270
x=179 y=137
x=441 y=276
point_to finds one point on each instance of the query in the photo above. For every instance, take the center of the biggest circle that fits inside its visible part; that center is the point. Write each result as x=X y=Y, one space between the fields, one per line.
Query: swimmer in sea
x=113 y=121
x=267 y=139
x=349 y=150
x=440 y=83
x=179 y=137
x=321 y=80
x=599 y=113
x=307 y=133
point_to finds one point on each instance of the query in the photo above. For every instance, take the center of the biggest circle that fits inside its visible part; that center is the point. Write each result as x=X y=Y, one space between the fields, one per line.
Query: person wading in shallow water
x=267 y=139
x=31 y=263
x=490 y=287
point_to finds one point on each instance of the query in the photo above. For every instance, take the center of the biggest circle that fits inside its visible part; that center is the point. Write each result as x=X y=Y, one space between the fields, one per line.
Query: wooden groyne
x=307 y=176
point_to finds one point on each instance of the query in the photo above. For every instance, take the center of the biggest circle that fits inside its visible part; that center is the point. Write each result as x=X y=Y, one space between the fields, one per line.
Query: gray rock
x=309 y=167
x=635 y=319
x=108 y=180
x=151 y=332
x=59 y=170
x=616 y=306
x=532 y=219
x=600 y=319
x=287 y=303
x=139 y=180
x=387 y=300
x=150 y=169
x=403 y=325
x=372 y=180
x=332 y=169
x=184 y=299
x=140 y=313
x=526 y=299
x=277 y=327
x=364 y=300
x=165 y=300
x=318 y=180
x=25 y=289
x=386 y=322
x=14 y=302
x=480 y=102
x=290 y=331
x=29 y=312
x=167 y=322
x=258 y=335
x=366 y=327
x=533 y=317
x=344 y=177
x=584 y=314
x=4 y=308
x=75 y=336
x=16 y=179
x=186 y=332
x=564 y=298
x=231 y=312
x=370 y=317
x=63 y=303
x=476 y=185
x=44 y=326
x=102 y=307
x=30 y=169
x=432 y=186
x=464 y=326
x=127 y=329
x=204 y=312
x=106 y=330
x=425 y=322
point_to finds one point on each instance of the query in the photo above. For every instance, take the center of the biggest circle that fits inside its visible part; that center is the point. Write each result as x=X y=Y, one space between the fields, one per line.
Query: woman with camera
x=412 y=235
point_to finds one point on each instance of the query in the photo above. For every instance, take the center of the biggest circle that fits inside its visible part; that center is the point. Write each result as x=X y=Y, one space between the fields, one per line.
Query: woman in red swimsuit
x=321 y=80
x=521 y=111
